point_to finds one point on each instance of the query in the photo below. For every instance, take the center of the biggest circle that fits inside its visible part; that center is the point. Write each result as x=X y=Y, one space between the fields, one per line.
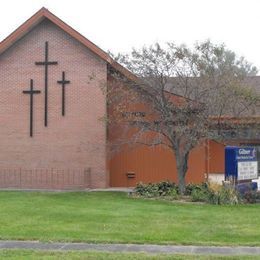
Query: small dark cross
x=31 y=92
x=63 y=83
x=46 y=63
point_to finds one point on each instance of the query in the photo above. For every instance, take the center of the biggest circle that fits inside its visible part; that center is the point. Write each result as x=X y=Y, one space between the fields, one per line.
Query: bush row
x=205 y=192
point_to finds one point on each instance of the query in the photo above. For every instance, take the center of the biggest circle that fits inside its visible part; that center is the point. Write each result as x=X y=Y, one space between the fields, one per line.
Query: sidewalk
x=151 y=249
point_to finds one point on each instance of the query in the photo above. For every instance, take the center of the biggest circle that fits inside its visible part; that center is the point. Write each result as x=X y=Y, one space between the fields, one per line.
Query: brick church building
x=51 y=109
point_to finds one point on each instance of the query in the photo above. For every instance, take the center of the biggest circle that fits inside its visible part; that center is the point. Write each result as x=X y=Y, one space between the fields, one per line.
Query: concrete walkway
x=151 y=249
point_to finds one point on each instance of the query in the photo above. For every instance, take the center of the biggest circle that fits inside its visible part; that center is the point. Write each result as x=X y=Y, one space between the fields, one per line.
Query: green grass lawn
x=114 y=218
x=29 y=254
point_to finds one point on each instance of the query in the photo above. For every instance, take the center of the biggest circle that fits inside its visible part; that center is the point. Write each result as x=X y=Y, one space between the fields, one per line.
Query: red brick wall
x=76 y=141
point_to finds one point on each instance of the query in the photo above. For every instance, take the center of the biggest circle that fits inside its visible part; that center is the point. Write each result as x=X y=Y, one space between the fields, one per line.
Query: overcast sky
x=119 y=25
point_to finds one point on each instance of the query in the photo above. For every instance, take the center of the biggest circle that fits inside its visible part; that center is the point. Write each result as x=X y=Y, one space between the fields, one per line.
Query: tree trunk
x=182 y=167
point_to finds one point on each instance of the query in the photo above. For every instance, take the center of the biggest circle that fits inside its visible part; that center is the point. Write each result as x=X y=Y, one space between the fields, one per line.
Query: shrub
x=228 y=195
x=140 y=189
x=198 y=192
x=215 y=194
x=147 y=190
x=174 y=194
x=248 y=192
x=164 y=188
x=243 y=188
x=251 y=196
x=191 y=187
x=198 y=195
x=212 y=197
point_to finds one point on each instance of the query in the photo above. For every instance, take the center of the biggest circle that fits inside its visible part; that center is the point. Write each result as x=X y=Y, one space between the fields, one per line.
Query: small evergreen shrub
x=146 y=190
x=165 y=188
x=191 y=187
x=198 y=192
x=160 y=189
x=174 y=194
x=198 y=195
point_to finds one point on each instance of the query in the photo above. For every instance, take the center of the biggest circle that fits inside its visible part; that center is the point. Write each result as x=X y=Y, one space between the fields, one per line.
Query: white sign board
x=247 y=170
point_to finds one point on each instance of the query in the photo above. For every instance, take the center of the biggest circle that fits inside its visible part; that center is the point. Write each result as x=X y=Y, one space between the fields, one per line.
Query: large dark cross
x=63 y=83
x=46 y=63
x=31 y=92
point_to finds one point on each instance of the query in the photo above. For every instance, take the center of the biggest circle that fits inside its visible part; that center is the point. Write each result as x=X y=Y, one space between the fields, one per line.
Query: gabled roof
x=44 y=13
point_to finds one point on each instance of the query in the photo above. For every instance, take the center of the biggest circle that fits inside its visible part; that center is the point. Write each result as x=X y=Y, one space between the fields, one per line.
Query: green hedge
x=203 y=192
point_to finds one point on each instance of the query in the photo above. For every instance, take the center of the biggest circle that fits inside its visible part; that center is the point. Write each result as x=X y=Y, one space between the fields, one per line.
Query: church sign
x=241 y=163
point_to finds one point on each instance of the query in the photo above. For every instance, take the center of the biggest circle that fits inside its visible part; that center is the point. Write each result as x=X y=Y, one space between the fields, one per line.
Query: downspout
x=208 y=151
x=207 y=160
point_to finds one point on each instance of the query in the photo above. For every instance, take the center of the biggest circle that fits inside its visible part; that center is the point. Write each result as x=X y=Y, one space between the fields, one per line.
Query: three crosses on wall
x=31 y=92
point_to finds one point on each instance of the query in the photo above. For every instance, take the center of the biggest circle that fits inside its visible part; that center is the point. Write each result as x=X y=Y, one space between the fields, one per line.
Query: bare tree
x=182 y=95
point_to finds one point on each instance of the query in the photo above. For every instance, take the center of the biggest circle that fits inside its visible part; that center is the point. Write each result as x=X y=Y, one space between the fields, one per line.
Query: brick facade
x=74 y=142
x=71 y=153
